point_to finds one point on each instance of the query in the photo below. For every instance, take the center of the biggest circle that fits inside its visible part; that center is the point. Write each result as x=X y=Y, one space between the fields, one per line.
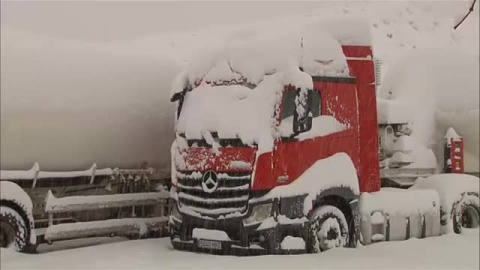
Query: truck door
x=293 y=155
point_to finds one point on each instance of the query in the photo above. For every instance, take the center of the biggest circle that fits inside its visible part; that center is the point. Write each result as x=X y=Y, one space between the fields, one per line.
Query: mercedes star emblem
x=209 y=182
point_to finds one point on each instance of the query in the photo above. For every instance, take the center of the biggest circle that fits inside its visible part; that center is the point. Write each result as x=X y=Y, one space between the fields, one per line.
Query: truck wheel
x=466 y=214
x=12 y=229
x=328 y=229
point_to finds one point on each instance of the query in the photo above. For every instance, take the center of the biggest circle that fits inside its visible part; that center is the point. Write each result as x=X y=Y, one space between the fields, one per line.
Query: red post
x=454 y=155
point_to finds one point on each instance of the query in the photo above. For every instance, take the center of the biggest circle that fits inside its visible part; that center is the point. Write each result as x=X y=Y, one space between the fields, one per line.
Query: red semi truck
x=303 y=191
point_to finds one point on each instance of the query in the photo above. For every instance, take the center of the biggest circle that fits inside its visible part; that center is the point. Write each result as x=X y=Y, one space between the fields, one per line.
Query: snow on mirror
x=302 y=118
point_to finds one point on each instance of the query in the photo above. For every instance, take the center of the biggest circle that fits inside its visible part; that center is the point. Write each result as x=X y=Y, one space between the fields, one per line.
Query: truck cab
x=277 y=150
x=258 y=166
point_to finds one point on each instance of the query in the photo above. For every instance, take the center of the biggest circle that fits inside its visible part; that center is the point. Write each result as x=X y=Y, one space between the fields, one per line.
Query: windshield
x=230 y=112
x=221 y=142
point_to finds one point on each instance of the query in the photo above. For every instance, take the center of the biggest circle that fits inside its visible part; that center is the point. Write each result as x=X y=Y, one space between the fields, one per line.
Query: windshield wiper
x=230 y=142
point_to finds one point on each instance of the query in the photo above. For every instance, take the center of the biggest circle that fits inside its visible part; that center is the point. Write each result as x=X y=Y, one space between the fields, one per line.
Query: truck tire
x=466 y=213
x=328 y=228
x=13 y=230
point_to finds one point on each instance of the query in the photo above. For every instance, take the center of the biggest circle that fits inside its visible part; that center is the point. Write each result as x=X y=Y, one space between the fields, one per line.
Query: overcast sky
x=102 y=21
x=134 y=70
x=122 y=20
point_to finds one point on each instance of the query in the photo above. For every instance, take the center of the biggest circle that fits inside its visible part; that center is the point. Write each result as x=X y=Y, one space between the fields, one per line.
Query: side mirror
x=177 y=96
x=180 y=95
x=302 y=119
x=302 y=125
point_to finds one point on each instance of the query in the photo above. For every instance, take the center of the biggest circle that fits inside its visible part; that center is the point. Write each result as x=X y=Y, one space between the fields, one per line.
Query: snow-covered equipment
x=459 y=199
x=54 y=206
x=280 y=149
x=402 y=158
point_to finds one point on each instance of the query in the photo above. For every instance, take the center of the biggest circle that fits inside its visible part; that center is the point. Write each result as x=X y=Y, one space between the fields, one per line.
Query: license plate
x=209 y=244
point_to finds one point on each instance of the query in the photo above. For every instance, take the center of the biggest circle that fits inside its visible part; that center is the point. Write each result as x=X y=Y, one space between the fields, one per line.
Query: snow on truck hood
x=225 y=160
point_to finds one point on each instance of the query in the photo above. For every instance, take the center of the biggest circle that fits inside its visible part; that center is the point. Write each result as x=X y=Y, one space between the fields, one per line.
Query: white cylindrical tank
x=67 y=104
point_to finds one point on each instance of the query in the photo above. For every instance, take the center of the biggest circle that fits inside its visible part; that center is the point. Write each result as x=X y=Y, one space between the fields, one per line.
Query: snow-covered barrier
x=99 y=198
x=31 y=177
x=35 y=173
x=396 y=214
x=83 y=203
x=136 y=226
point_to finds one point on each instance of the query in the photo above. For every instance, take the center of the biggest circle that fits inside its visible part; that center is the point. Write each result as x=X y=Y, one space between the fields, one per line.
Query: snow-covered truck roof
x=250 y=54
x=234 y=82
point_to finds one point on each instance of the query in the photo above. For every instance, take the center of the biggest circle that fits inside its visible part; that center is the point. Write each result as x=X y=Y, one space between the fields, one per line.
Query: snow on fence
x=33 y=177
x=134 y=191
x=138 y=226
x=83 y=203
x=35 y=174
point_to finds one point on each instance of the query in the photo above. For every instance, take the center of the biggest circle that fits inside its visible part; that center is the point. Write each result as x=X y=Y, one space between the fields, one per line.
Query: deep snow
x=444 y=252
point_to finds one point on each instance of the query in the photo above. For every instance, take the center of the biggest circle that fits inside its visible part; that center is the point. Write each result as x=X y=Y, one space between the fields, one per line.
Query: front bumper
x=287 y=219
x=256 y=239
x=270 y=244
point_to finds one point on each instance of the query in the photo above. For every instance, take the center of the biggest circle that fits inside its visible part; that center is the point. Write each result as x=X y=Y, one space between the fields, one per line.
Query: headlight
x=259 y=213
x=175 y=213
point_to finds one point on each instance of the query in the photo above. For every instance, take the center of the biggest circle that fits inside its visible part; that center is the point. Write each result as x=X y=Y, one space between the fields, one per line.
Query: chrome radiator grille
x=229 y=194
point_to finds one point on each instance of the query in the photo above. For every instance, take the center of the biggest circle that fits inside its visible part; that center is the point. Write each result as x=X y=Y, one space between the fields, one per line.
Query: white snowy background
x=89 y=82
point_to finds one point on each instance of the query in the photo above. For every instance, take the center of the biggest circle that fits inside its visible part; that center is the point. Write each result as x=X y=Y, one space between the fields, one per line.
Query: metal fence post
x=94 y=168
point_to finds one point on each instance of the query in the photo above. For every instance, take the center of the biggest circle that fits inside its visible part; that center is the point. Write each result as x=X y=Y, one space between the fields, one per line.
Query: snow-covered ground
x=444 y=252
